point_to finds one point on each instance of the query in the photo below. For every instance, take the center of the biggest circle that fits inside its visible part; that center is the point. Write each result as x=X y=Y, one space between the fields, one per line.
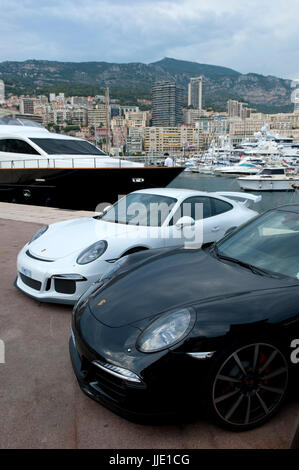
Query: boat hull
x=222 y=172
x=82 y=188
x=268 y=185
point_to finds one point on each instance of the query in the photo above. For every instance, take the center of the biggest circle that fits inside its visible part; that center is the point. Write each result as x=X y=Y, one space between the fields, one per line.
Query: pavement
x=41 y=404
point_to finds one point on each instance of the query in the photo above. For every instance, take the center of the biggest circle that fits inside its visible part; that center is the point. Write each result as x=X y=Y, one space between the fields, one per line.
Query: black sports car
x=169 y=328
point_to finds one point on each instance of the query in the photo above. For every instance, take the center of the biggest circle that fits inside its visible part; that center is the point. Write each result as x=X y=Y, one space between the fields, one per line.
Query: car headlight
x=92 y=252
x=166 y=331
x=39 y=233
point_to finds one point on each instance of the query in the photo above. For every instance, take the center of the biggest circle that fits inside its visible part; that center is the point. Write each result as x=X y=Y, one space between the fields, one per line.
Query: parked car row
x=62 y=260
x=164 y=329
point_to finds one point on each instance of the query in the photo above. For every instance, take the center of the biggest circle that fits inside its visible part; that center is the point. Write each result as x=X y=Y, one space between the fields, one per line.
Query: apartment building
x=2 y=92
x=167 y=104
x=172 y=139
x=135 y=140
x=195 y=92
x=98 y=115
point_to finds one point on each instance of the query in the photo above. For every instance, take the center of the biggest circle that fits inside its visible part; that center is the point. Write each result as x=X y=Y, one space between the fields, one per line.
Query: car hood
x=171 y=280
x=64 y=238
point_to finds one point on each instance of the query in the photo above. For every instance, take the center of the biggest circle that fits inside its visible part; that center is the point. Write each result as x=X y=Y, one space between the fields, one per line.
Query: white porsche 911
x=63 y=259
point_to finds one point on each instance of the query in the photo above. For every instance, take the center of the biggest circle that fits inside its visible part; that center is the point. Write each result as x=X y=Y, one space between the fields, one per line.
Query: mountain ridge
x=135 y=79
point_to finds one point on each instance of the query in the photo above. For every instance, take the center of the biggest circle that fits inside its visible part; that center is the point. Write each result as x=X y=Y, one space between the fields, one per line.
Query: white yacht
x=249 y=165
x=43 y=168
x=270 y=179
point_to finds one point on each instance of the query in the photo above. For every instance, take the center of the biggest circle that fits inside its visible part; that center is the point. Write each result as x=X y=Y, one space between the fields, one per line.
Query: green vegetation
x=128 y=82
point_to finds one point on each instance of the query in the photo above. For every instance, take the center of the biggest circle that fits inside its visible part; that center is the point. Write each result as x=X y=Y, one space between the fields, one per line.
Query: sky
x=260 y=36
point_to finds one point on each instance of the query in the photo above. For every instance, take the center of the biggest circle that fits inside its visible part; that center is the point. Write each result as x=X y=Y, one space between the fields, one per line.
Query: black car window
x=192 y=207
x=220 y=206
x=269 y=242
x=16 y=146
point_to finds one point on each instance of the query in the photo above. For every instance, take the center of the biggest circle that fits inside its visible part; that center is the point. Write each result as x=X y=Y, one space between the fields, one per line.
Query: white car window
x=190 y=208
x=148 y=210
x=220 y=206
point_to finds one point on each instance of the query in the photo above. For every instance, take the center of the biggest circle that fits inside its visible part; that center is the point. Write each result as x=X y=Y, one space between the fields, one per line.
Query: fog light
x=70 y=277
x=118 y=371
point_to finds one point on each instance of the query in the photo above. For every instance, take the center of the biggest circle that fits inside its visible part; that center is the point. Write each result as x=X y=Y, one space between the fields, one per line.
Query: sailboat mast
x=107 y=122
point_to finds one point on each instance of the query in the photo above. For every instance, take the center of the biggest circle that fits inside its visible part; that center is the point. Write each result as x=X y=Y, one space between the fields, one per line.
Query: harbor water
x=213 y=183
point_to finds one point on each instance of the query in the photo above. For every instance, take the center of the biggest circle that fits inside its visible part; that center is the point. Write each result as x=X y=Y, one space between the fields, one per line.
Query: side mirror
x=107 y=208
x=185 y=221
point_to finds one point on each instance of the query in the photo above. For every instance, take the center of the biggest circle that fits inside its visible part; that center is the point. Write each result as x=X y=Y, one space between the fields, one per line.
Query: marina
x=149 y=221
x=212 y=183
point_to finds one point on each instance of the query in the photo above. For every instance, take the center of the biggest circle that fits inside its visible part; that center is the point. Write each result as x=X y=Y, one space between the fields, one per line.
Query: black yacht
x=42 y=168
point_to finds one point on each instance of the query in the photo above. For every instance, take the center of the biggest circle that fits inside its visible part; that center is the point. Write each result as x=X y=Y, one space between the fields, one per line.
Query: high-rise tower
x=2 y=92
x=195 y=92
x=167 y=104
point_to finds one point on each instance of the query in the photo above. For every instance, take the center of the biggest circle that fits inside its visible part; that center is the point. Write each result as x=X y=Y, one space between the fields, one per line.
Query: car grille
x=65 y=286
x=31 y=282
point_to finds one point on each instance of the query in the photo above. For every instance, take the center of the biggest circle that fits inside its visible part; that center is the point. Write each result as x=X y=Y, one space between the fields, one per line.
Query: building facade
x=195 y=92
x=98 y=116
x=174 y=140
x=238 y=109
x=167 y=104
x=27 y=106
x=2 y=92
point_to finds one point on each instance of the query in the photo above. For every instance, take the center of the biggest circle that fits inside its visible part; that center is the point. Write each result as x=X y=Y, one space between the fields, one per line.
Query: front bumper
x=45 y=282
x=114 y=394
x=170 y=392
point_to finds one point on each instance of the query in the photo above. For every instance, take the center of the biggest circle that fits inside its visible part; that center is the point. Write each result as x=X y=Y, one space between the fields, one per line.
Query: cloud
x=259 y=36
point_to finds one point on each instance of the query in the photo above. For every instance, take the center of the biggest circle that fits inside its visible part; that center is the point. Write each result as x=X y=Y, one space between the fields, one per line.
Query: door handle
x=215 y=229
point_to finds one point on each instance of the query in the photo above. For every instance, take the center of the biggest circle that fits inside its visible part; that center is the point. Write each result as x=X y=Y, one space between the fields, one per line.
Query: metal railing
x=50 y=163
x=80 y=162
x=40 y=163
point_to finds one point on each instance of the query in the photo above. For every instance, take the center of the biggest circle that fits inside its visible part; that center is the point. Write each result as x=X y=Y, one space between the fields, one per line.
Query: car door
x=199 y=208
x=220 y=221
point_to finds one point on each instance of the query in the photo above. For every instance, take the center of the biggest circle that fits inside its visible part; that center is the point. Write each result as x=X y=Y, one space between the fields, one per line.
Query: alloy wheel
x=250 y=385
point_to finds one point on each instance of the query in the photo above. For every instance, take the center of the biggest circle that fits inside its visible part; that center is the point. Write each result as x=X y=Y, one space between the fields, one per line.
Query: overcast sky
x=249 y=36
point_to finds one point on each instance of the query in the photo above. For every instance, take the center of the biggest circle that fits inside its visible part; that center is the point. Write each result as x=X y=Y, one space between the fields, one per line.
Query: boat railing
x=80 y=162
x=40 y=163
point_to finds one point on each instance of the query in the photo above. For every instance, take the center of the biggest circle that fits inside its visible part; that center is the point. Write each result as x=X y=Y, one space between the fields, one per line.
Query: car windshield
x=269 y=243
x=66 y=146
x=148 y=210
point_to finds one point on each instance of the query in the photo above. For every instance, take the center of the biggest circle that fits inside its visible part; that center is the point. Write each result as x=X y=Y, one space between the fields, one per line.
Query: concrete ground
x=41 y=405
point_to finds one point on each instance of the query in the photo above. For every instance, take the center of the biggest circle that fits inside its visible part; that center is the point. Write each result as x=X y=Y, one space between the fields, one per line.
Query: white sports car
x=63 y=259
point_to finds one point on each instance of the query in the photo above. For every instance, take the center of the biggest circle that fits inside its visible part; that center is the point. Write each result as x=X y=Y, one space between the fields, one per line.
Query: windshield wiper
x=254 y=269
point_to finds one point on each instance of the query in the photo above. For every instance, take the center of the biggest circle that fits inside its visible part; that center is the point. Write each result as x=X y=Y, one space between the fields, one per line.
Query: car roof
x=175 y=192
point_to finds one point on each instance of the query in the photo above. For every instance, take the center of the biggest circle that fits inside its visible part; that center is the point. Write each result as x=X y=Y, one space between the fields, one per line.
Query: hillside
x=129 y=81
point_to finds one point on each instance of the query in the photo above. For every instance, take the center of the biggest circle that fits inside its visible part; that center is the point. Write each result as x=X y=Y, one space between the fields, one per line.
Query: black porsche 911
x=168 y=329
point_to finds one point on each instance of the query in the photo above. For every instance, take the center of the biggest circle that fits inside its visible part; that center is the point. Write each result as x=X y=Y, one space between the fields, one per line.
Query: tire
x=247 y=385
